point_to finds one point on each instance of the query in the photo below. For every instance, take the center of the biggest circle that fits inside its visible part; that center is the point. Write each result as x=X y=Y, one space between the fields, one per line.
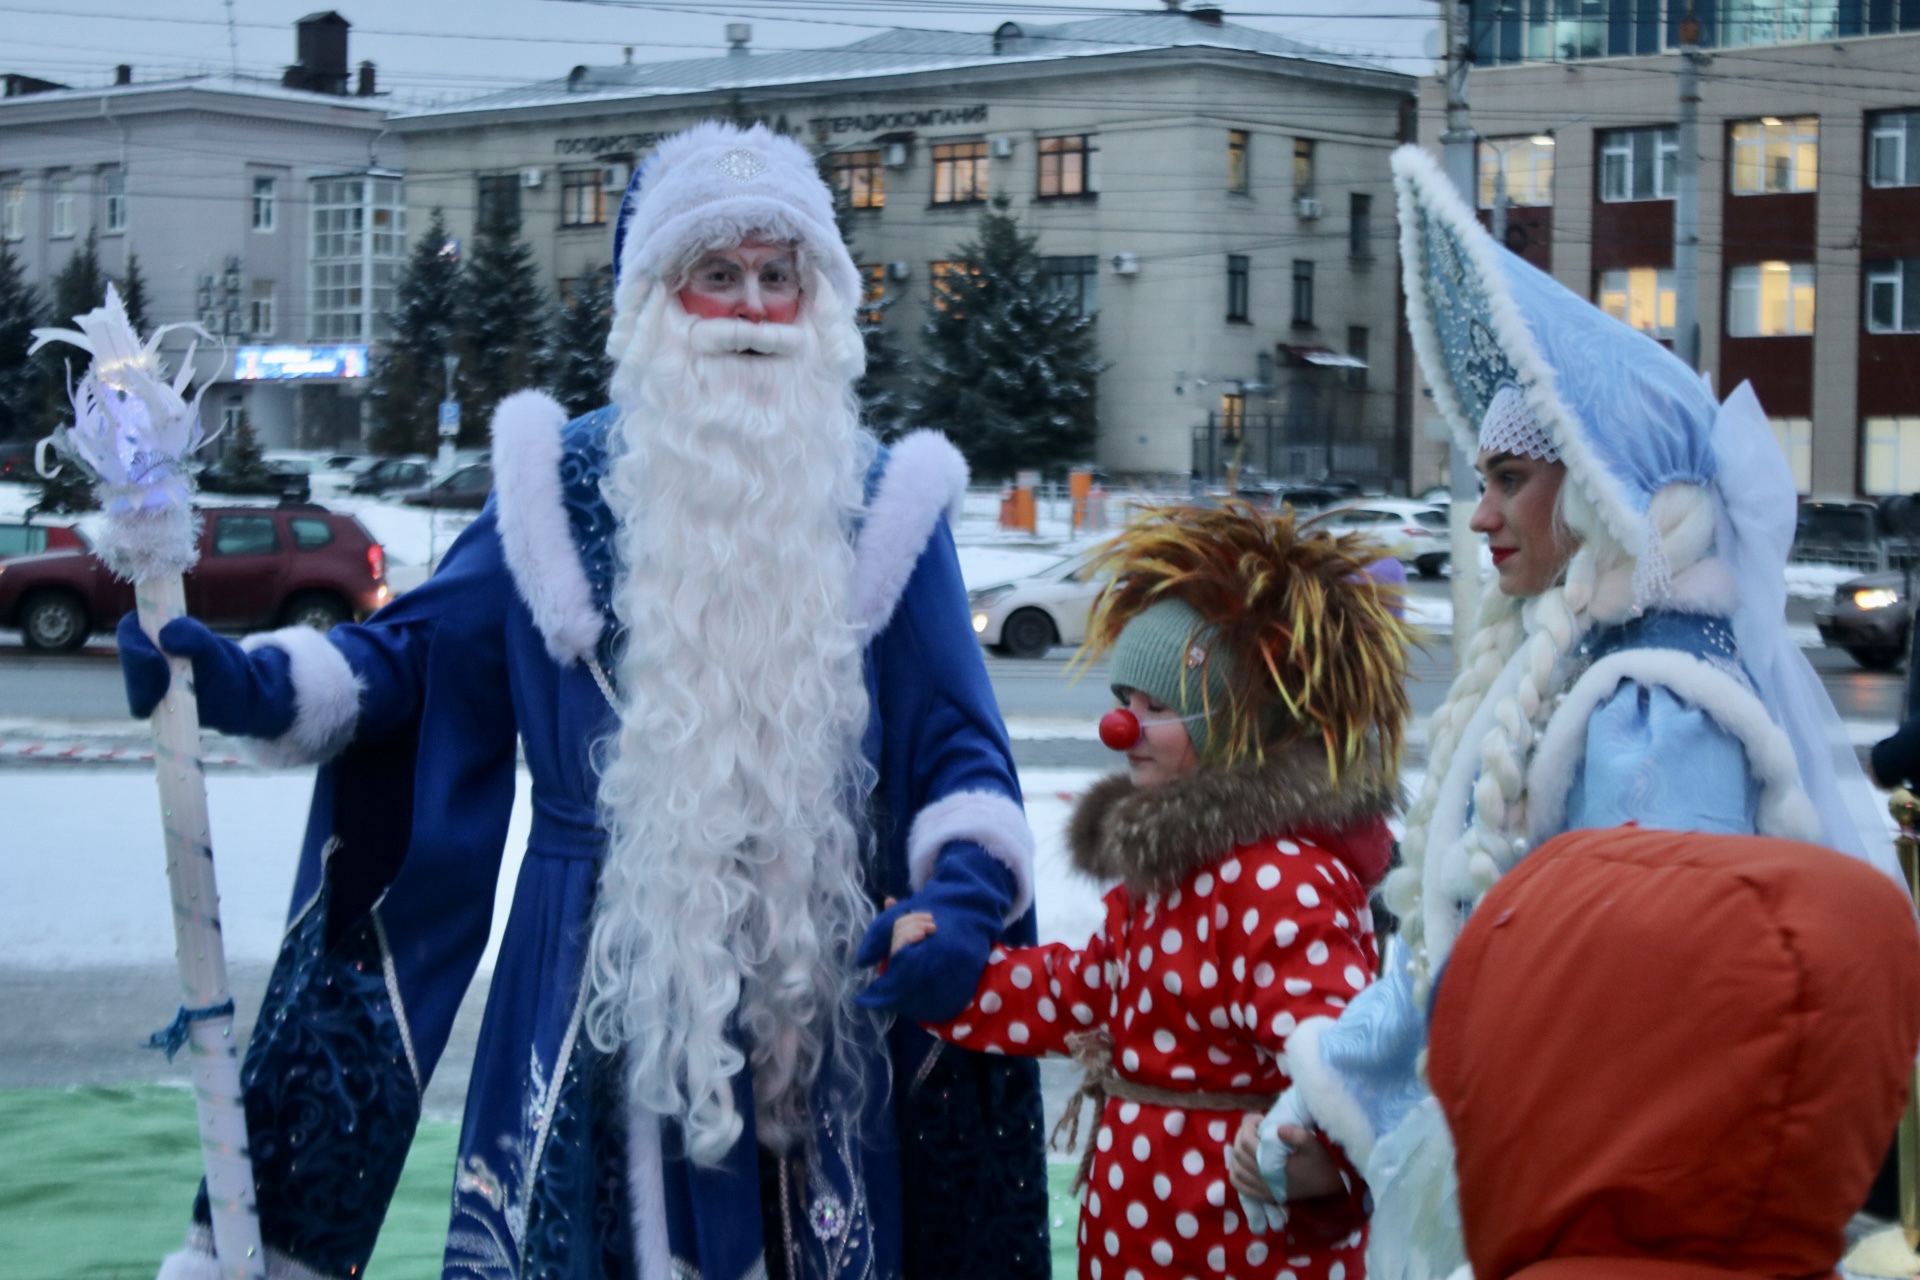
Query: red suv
x=259 y=567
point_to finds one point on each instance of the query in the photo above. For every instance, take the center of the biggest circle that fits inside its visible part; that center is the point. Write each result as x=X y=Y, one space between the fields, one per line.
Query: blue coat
x=943 y=1172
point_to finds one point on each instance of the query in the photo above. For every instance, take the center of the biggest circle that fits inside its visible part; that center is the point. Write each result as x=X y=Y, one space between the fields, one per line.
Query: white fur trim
x=1337 y=1112
x=987 y=818
x=646 y=1189
x=326 y=700
x=534 y=532
x=1785 y=809
x=195 y=1260
x=925 y=478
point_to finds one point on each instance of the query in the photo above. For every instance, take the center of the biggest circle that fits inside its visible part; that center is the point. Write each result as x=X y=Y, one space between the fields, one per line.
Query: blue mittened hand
x=250 y=694
x=969 y=895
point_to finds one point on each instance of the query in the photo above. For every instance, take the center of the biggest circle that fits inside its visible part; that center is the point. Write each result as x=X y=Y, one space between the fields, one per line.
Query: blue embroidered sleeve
x=1366 y=1079
x=1655 y=759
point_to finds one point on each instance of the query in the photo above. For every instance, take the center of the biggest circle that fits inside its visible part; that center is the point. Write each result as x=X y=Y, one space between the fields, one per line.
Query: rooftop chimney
x=739 y=34
x=365 y=89
x=123 y=74
x=1207 y=14
x=628 y=59
x=321 y=43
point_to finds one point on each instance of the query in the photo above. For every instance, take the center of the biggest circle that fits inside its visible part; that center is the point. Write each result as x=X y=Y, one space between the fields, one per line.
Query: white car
x=1415 y=532
x=1026 y=617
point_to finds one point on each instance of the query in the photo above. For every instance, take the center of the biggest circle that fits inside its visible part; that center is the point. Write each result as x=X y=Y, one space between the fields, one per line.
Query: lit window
x=266 y=204
x=1075 y=278
x=1640 y=296
x=1302 y=294
x=1063 y=166
x=260 y=317
x=873 y=291
x=1528 y=164
x=1774 y=155
x=1237 y=286
x=358 y=247
x=1892 y=456
x=1639 y=164
x=583 y=197
x=1893 y=296
x=13 y=210
x=1795 y=437
x=1239 y=170
x=1302 y=167
x=861 y=175
x=948 y=281
x=62 y=208
x=1895 y=142
x=1770 y=300
x=115 y=185
x=959 y=172
x=1233 y=417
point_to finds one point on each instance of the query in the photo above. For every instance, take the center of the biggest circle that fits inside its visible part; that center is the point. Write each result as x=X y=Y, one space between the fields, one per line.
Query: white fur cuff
x=1335 y=1110
x=534 y=533
x=987 y=818
x=326 y=700
x=195 y=1261
x=925 y=478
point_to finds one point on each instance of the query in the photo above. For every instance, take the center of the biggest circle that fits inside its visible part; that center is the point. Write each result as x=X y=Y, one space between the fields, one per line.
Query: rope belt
x=1093 y=1050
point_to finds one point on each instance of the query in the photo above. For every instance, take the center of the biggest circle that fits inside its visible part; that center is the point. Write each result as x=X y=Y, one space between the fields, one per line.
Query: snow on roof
x=237 y=86
x=901 y=52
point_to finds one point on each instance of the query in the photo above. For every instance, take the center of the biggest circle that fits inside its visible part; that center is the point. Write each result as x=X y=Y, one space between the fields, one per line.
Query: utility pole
x=1458 y=144
x=1686 y=200
x=1500 y=205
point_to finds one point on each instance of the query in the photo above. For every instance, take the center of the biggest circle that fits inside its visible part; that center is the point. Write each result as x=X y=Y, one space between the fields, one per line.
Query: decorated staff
x=133 y=430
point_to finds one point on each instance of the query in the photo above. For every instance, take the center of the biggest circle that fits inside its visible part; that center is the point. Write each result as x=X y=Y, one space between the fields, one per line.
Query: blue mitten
x=249 y=694
x=969 y=894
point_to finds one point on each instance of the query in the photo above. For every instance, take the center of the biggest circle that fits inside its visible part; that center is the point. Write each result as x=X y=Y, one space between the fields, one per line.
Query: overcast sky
x=444 y=50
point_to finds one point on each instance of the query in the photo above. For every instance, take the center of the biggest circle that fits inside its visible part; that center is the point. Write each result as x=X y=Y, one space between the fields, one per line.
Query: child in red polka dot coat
x=1261 y=681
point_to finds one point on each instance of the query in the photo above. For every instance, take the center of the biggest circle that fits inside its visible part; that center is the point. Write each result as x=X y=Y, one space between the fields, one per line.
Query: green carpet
x=95 y=1184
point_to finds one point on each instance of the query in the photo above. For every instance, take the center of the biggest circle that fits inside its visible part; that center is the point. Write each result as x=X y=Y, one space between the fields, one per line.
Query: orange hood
x=1658 y=1048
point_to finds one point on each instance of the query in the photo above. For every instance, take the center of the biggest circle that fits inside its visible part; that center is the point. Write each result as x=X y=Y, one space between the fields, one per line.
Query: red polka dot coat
x=1200 y=972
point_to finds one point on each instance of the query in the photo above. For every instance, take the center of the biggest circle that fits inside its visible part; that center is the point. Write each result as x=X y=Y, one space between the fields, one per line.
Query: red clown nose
x=1119 y=729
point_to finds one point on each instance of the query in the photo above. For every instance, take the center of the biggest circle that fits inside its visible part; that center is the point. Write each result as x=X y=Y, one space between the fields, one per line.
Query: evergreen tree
x=1009 y=365
x=581 y=367
x=408 y=378
x=502 y=323
x=878 y=387
x=133 y=292
x=22 y=394
x=243 y=465
x=78 y=288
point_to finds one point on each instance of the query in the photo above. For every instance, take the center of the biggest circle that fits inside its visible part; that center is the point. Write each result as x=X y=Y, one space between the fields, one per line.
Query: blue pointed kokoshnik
x=1627 y=415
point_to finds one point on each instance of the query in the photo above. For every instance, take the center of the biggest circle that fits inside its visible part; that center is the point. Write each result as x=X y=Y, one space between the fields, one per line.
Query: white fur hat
x=716 y=183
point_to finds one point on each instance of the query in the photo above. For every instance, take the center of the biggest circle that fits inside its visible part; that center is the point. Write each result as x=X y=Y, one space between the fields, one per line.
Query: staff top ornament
x=133 y=431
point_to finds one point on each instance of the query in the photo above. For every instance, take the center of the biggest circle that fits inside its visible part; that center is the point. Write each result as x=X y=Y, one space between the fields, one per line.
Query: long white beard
x=731 y=887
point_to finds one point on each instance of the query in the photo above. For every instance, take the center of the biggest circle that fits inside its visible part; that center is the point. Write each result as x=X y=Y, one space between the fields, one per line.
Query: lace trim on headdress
x=1512 y=427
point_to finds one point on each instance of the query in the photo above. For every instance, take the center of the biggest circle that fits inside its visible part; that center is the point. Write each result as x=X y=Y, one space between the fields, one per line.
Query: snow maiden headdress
x=1682 y=504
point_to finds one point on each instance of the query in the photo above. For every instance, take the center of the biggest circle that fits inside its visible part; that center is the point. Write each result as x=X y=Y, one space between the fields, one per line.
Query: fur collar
x=1153 y=839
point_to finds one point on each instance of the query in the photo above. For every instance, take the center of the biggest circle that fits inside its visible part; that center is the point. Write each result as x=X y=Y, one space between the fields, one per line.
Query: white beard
x=732 y=886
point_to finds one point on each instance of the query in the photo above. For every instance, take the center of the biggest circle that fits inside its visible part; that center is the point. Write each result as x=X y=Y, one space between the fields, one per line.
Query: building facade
x=1809 y=208
x=272 y=217
x=1217 y=197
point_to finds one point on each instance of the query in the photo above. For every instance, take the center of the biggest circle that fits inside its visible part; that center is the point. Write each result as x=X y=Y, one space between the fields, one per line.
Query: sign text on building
x=606 y=144
x=880 y=121
x=272 y=363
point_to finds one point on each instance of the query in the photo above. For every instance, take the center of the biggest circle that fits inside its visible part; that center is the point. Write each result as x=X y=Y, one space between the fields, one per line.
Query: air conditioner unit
x=531 y=177
x=899 y=270
x=231 y=283
x=232 y=323
x=1001 y=147
x=1307 y=207
x=613 y=178
x=894 y=155
x=1126 y=264
x=211 y=321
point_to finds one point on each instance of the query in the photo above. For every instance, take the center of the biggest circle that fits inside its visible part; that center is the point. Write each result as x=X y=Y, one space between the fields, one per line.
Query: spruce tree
x=22 y=393
x=408 y=378
x=1008 y=367
x=581 y=367
x=133 y=292
x=78 y=288
x=243 y=466
x=502 y=323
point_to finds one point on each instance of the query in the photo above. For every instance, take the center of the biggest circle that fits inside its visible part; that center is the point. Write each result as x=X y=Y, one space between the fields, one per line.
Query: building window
x=1237 y=271
x=1895 y=144
x=1075 y=278
x=873 y=291
x=946 y=279
x=1795 y=436
x=1770 y=300
x=1233 y=417
x=959 y=172
x=1893 y=296
x=1358 y=340
x=13 y=210
x=1528 y=164
x=62 y=193
x=1642 y=297
x=1774 y=155
x=1639 y=164
x=497 y=203
x=583 y=198
x=1359 y=226
x=1302 y=167
x=861 y=175
x=260 y=317
x=359 y=244
x=1302 y=294
x=1239 y=168
x=266 y=204
x=232 y=409
x=114 y=184
x=1893 y=456
x=1063 y=166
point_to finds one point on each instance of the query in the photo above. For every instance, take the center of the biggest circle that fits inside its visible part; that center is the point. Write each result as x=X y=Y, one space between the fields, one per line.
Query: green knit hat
x=1165 y=652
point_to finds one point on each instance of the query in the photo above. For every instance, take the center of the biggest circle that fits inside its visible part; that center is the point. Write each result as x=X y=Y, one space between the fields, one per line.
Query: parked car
x=17 y=462
x=1026 y=617
x=323 y=478
x=1415 y=532
x=1838 y=530
x=1871 y=617
x=259 y=567
x=24 y=538
x=289 y=484
x=465 y=489
x=391 y=474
